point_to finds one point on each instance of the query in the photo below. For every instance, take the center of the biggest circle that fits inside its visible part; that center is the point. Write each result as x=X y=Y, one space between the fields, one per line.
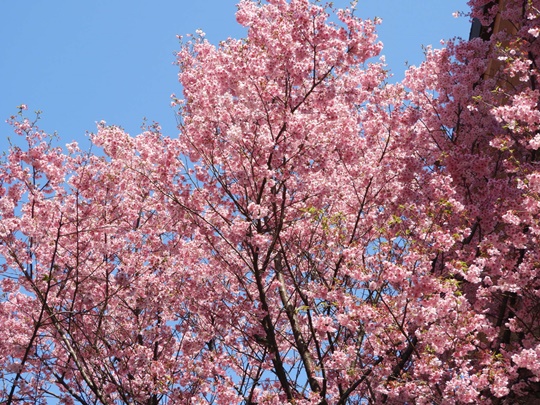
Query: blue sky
x=84 y=61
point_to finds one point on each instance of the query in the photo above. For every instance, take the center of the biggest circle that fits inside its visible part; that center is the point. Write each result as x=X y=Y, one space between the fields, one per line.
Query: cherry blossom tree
x=483 y=115
x=314 y=235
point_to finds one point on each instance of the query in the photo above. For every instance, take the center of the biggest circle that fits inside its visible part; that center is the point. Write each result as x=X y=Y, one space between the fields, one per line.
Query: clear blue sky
x=82 y=61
